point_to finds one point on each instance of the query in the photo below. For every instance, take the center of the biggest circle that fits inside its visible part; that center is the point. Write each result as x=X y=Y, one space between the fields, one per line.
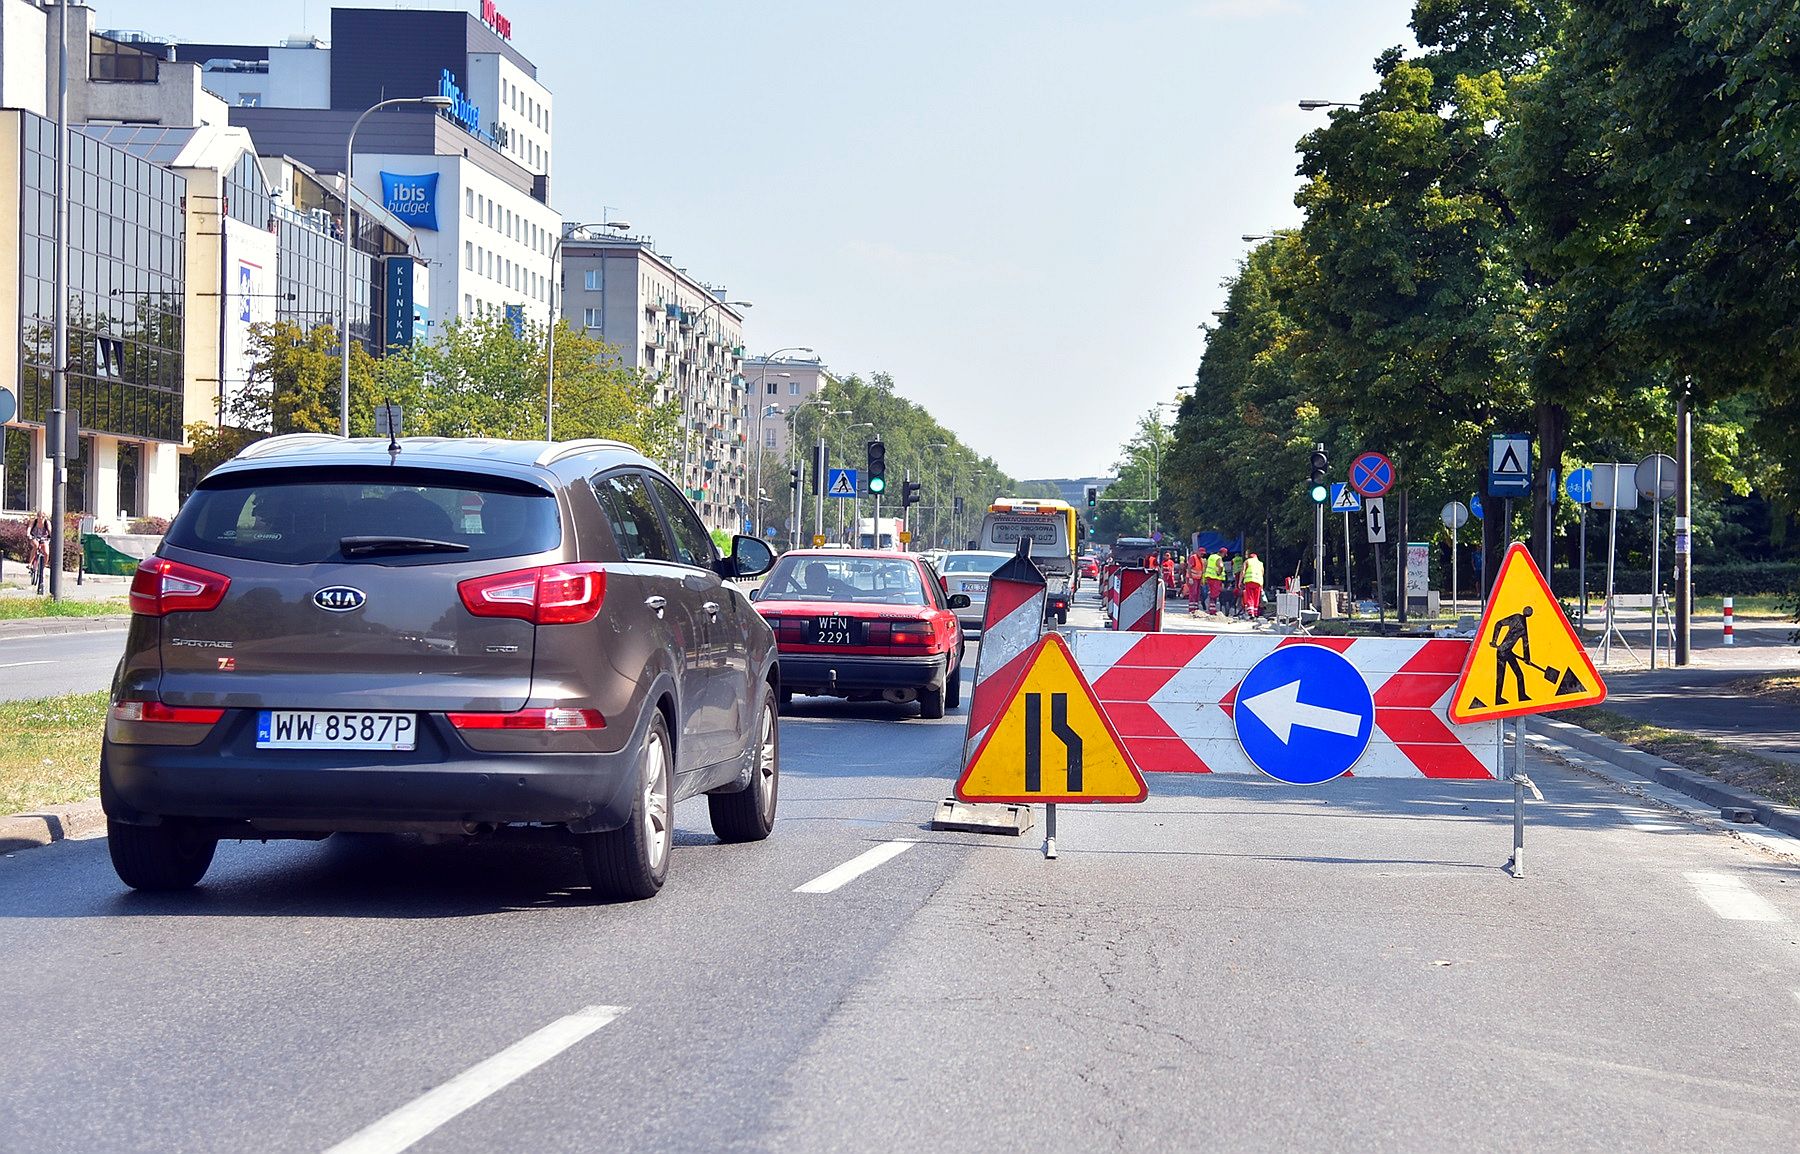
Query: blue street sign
x=1580 y=486
x=1509 y=465
x=1475 y=506
x=840 y=483
x=1344 y=498
x=1371 y=474
x=1304 y=715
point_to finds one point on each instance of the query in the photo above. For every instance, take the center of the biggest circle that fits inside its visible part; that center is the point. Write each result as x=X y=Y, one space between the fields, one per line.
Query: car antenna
x=393 y=431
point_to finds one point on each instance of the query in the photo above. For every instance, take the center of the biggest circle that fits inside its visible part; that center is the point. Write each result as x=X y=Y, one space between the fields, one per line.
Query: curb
x=51 y=626
x=54 y=824
x=1785 y=818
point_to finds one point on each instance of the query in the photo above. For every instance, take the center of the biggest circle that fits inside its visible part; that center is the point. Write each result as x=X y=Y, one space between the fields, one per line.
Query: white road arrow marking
x=1281 y=710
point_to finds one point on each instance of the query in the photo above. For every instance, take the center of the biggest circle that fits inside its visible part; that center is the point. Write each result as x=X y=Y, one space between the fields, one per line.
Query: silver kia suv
x=442 y=636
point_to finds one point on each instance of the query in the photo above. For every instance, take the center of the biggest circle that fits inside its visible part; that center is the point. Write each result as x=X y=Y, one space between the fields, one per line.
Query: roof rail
x=282 y=443
x=557 y=450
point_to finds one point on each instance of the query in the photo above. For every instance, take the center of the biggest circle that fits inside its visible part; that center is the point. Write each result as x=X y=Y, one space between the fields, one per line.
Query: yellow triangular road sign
x=1527 y=658
x=1052 y=741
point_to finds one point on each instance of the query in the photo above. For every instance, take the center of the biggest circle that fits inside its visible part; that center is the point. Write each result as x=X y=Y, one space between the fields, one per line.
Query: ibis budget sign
x=411 y=197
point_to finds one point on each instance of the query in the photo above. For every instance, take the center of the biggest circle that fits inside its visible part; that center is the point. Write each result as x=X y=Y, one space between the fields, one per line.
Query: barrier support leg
x=1050 y=830
x=1518 y=858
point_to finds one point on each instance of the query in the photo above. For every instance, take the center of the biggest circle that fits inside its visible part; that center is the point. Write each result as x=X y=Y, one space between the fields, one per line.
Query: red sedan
x=864 y=624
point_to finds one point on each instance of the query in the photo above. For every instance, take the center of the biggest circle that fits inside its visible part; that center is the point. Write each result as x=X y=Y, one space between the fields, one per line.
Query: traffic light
x=1093 y=495
x=909 y=494
x=1320 y=489
x=818 y=469
x=794 y=480
x=956 y=506
x=877 y=467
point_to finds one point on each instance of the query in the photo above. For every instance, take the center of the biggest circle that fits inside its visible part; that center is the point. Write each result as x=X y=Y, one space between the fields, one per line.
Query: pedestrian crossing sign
x=1527 y=658
x=841 y=483
x=1052 y=742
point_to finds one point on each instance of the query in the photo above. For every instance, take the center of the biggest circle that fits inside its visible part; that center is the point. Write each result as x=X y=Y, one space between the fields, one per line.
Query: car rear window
x=974 y=562
x=299 y=516
x=871 y=580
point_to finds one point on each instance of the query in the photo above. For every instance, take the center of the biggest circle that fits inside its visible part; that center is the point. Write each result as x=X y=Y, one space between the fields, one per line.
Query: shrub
x=14 y=544
x=152 y=525
x=1729 y=579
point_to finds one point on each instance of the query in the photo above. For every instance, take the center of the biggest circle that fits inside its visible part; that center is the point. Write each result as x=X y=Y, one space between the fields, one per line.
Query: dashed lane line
x=1730 y=898
x=422 y=1115
x=835 y=879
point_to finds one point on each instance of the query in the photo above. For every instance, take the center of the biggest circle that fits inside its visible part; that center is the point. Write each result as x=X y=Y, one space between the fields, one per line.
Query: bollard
x=1729 y=639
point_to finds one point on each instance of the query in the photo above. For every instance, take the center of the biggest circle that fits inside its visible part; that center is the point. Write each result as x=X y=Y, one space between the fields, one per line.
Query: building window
x=15 y=468
x=468 y=305
x=594 y=280
x=468 y=202
x=469 y=255
x=130 y=475
x=774 y=388
x=768 y=438
x=590 y=318
x=793 y=388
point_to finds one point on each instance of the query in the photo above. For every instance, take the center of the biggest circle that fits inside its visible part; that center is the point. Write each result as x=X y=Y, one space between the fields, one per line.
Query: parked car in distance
x=1089 y=565
x=865 y=624
x=967 y=572
x=447 y=637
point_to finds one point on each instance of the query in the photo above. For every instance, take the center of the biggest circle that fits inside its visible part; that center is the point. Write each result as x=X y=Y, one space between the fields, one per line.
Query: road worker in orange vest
x=1215 y=581
x=1253 y=585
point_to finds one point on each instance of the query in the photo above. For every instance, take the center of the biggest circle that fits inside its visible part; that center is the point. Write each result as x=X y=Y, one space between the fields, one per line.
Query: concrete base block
x=990 y=817
x=1742 y=815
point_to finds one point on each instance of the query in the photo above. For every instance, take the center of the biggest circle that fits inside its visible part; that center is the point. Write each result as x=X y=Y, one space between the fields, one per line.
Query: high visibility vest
x=1253 y=571
x=1214 y=570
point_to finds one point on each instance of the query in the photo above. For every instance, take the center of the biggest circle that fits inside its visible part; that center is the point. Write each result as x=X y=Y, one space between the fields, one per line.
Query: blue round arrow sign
x=1304 y=715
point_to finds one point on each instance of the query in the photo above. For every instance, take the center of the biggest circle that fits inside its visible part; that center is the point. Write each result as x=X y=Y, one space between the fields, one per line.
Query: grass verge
x=51 y=754
x=1775 y=686
x=1770 y=606
x=20 y=608
x=1773 y=779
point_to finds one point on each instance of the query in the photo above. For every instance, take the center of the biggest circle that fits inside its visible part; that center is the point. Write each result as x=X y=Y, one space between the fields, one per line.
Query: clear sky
x=1022 y=211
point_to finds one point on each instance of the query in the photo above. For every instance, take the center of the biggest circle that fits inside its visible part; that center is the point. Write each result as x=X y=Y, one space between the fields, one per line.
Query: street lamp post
x=757 y=495
x=568 y=232
x=763 y=404
x=439 y=102
x=937 y=495
x=817 y=400
x=1315 y=105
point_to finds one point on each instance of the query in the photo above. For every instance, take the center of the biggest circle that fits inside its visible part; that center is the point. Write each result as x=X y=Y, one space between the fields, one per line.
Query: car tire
x=748 y=814
x=787 y=698
x=631 y=863
x=931 y=702
x=159 y=857
x=953 y=689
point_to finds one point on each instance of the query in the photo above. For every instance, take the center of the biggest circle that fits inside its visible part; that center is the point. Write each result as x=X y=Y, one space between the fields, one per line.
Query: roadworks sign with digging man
x=1527 y=658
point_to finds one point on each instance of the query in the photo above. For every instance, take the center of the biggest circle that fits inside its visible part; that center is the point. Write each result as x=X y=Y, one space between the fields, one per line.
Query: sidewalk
x=92 y=589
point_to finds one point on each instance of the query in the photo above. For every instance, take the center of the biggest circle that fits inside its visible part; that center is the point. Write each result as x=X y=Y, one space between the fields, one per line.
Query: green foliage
x=1553 y=217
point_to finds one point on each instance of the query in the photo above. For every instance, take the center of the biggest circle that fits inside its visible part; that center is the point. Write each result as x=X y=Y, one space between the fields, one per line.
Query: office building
x=472 y=181
x=685 y=335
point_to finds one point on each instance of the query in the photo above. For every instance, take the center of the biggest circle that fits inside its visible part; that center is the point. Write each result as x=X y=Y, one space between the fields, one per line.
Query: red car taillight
x=162 y=586
x=556 y=720
x=157 y=711
x=545 y=595
x=912 y=633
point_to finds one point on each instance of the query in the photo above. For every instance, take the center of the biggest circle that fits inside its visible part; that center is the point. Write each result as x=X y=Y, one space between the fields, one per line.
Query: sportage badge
x=339 y=599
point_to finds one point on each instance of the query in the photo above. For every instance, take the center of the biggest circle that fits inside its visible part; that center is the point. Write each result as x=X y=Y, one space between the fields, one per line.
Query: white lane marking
x=1730 y=898
x=854 y=868
x=20 y=664
x=424 y=1114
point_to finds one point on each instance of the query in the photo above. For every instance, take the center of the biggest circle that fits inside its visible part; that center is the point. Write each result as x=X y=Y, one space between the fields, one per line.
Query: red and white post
x=1140 y=601
x=1729 y=639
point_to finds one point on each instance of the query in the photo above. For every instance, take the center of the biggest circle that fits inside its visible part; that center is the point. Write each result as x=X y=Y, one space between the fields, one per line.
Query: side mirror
x=959 y=601
x=750 y=557
x=754 y=593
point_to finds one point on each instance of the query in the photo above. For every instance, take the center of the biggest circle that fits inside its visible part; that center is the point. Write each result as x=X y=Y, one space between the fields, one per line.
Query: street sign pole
x=1684 y=520
x=1612 y=542
x=1319 y=557
x=1655 y=575
x=1581 y=614
x=1400 y=565
x=819 y=511
x=1348 y=587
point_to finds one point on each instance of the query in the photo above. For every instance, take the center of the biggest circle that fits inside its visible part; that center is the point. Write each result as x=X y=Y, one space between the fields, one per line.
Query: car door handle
x=658 y=603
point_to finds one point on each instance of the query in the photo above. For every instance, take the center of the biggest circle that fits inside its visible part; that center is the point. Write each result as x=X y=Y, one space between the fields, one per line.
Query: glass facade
x=15 y=468
x=127 y=275
x=307 y=273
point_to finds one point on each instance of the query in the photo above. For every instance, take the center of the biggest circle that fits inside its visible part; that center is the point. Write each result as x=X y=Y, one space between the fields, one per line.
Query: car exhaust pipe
x=900 y=696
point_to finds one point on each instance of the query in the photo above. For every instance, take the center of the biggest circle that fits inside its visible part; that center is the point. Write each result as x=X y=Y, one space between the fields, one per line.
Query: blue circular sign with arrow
x=1475 y=505
x=1304 y=715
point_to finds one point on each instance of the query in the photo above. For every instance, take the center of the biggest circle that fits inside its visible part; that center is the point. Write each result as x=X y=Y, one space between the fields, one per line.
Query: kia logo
x=339 y=599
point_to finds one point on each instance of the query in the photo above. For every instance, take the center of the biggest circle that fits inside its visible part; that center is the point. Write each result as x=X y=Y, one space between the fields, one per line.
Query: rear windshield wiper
x=366 y=546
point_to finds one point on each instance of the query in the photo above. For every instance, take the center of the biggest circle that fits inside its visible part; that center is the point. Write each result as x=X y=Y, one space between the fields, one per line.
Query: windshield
x=306 y=516
x=975 y=562
x=870 y=580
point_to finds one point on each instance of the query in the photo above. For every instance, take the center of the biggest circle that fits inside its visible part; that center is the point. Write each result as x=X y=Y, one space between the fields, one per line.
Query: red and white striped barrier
x=1140 y=601
x=1729 y=638
x=1011 y=624
x=1170 y=696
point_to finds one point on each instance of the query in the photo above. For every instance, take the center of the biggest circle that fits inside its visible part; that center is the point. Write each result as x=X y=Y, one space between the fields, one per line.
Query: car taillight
x=911 y=633
x=545 y=595
x=162 y=586
x=555 y=720
x=157 y=711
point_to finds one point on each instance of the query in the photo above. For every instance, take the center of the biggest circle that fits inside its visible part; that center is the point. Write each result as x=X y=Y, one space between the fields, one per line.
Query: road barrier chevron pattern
x=1011 y=624
x=1140 y=601
x=1171 y=697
